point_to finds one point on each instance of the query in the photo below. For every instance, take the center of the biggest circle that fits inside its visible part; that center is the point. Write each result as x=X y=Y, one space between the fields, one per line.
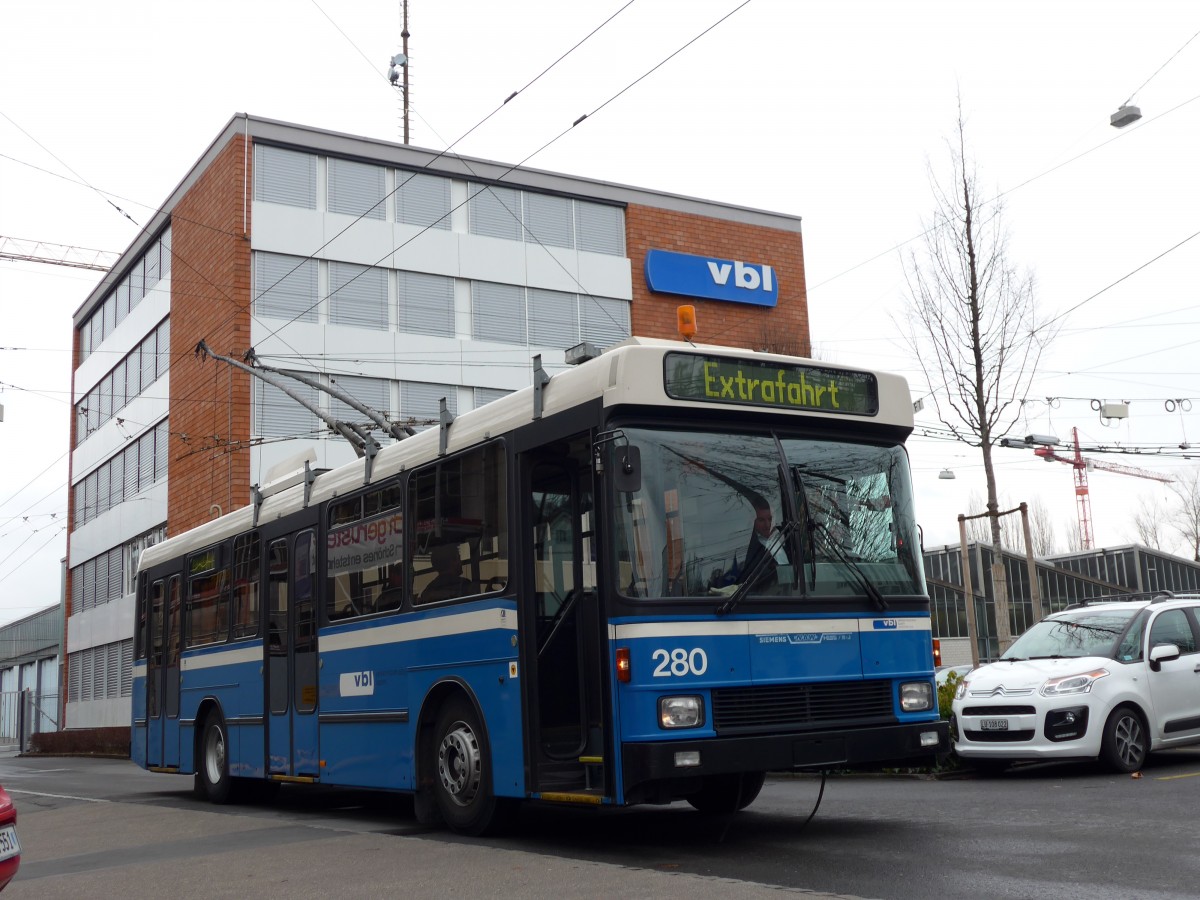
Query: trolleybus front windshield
x=714 y=511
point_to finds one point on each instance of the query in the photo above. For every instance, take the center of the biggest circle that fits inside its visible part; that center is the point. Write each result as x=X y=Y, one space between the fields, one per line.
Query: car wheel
x=723 y=794
x=1125 y=743
x=463 y=782
x=215 y=782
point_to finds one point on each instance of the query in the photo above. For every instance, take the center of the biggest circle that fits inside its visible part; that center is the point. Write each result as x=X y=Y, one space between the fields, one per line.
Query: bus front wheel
x=463 y=777
x=727 y=793
x=213 y=771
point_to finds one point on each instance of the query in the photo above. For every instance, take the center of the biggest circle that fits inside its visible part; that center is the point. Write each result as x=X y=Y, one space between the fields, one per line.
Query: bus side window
x=246 y=612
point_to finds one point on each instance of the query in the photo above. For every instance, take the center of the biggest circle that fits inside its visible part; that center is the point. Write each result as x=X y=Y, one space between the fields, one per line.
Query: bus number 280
x=679 y=662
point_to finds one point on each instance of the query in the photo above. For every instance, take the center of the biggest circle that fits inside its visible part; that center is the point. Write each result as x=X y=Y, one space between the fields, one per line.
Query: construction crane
x=1081 y=466
x=56 y=254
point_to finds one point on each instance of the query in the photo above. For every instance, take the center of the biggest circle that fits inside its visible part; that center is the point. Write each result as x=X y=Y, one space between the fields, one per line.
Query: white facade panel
x=606 y=276
x=105 y=624
x=286 y=229
x=491 y=259
x=99 y=713
x=111 y=436
x=122 y=523
x=139 y=323
x=433 y=251
x=363 y=241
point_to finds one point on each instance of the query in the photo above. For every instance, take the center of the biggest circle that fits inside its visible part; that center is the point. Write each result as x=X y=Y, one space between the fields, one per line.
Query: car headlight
x=961 y=691
x=916 y=696
x=681 y=712
x=1072 y=684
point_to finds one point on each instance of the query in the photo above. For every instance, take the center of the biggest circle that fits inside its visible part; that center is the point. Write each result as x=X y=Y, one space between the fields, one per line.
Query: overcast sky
x=833 y=111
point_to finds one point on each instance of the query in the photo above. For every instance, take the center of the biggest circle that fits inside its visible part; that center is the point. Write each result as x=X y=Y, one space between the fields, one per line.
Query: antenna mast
x=399 y=68
x=404 y=50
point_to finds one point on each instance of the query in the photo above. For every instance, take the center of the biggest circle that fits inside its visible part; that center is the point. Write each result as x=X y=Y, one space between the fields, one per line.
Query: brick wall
x=783 y=329
x=210 y=299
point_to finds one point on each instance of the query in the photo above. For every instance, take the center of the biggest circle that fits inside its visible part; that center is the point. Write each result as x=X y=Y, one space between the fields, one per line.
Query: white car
x=1111 y=680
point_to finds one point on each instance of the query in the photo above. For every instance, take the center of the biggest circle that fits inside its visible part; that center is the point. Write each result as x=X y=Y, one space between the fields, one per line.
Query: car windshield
x=791 y=517
x=1079 y=633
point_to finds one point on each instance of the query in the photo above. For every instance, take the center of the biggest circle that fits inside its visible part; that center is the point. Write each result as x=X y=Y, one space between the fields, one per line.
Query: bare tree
x=1186 y=520
x=1041 y=529
x=973 y=325
x=1012 y=535
x=1149 y=522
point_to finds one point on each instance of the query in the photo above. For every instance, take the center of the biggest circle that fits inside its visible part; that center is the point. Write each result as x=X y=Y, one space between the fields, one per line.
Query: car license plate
x=9 y=846
x=993 y=725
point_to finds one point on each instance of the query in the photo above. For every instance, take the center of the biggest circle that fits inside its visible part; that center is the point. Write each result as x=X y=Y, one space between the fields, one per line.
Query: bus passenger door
x=290 y=665
x=154 y=673
x=304 y=656
x=565 y=661
x=162 y=675
x=278 y=657
x=174 y=629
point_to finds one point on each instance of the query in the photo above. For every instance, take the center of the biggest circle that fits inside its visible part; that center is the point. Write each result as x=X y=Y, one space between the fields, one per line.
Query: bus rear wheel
x=213 y=771
x=463 y=772
x=727 y=793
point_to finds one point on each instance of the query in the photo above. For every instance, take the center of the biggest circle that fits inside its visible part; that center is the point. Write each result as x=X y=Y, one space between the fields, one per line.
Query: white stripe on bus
x=631 y=631
x=438 y=626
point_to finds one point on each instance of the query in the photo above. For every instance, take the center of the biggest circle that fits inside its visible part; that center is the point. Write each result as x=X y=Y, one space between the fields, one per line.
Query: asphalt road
x=103 y=828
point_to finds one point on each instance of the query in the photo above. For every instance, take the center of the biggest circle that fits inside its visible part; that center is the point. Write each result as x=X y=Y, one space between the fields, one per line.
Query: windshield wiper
x=777 y=541
x=831 y=545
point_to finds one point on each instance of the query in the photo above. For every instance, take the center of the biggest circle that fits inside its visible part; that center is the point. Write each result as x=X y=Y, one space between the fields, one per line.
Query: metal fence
x=23 y=714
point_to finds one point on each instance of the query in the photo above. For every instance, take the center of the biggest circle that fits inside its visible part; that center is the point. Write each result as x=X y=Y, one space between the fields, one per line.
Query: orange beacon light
x=686 y=321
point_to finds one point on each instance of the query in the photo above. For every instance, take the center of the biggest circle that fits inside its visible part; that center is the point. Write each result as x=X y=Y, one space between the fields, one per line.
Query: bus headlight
x=681 y=712
x=916 y=696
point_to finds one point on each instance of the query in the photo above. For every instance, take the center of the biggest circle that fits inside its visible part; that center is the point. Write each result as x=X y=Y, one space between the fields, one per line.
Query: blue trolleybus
x=652 y=577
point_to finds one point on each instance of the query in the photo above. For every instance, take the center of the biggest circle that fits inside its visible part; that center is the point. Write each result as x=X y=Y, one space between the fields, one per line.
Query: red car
x=10 y=847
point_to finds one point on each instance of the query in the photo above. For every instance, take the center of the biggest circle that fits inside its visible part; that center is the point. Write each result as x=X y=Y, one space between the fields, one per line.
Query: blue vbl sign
x=711 y=279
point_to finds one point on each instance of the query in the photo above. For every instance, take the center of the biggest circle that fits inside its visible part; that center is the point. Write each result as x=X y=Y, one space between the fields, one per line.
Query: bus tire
x=723 y=794
x=463 y=771
x=213 y=770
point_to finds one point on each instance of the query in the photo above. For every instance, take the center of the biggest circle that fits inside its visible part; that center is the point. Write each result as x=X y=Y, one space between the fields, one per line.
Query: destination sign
x=716 y=379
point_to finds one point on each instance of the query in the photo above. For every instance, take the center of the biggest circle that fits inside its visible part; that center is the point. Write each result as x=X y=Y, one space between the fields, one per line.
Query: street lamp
x=1126 y=115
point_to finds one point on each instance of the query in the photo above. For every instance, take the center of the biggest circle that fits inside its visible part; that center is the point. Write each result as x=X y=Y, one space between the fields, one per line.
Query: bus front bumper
x=884 y=746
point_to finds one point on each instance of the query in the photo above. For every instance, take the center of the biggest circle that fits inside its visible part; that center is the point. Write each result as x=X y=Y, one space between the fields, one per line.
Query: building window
x=599 y=228
x=278 y=415
x=358 y=296
x=285 y=287
x=285 y=176
x=495 y=211
x=420 y=402
x=487 y=395
x=498 y=312
x=374 y=393
x=426 y=304
x=423 y=200
x=548 y=220
x=553 y=318
x=356 y=189
x=603 y=320
x=100 y=673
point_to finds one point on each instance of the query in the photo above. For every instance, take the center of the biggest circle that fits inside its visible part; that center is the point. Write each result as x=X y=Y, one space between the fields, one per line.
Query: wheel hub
x=460 y=764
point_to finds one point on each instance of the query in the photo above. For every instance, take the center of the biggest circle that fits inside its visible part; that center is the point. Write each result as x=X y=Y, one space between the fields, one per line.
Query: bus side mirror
x=628 y=474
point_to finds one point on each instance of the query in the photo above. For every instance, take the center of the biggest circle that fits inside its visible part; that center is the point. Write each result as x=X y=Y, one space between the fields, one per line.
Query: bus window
x=365 y=556
x=460 y=537
x=208 y=598
x=246 y=612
